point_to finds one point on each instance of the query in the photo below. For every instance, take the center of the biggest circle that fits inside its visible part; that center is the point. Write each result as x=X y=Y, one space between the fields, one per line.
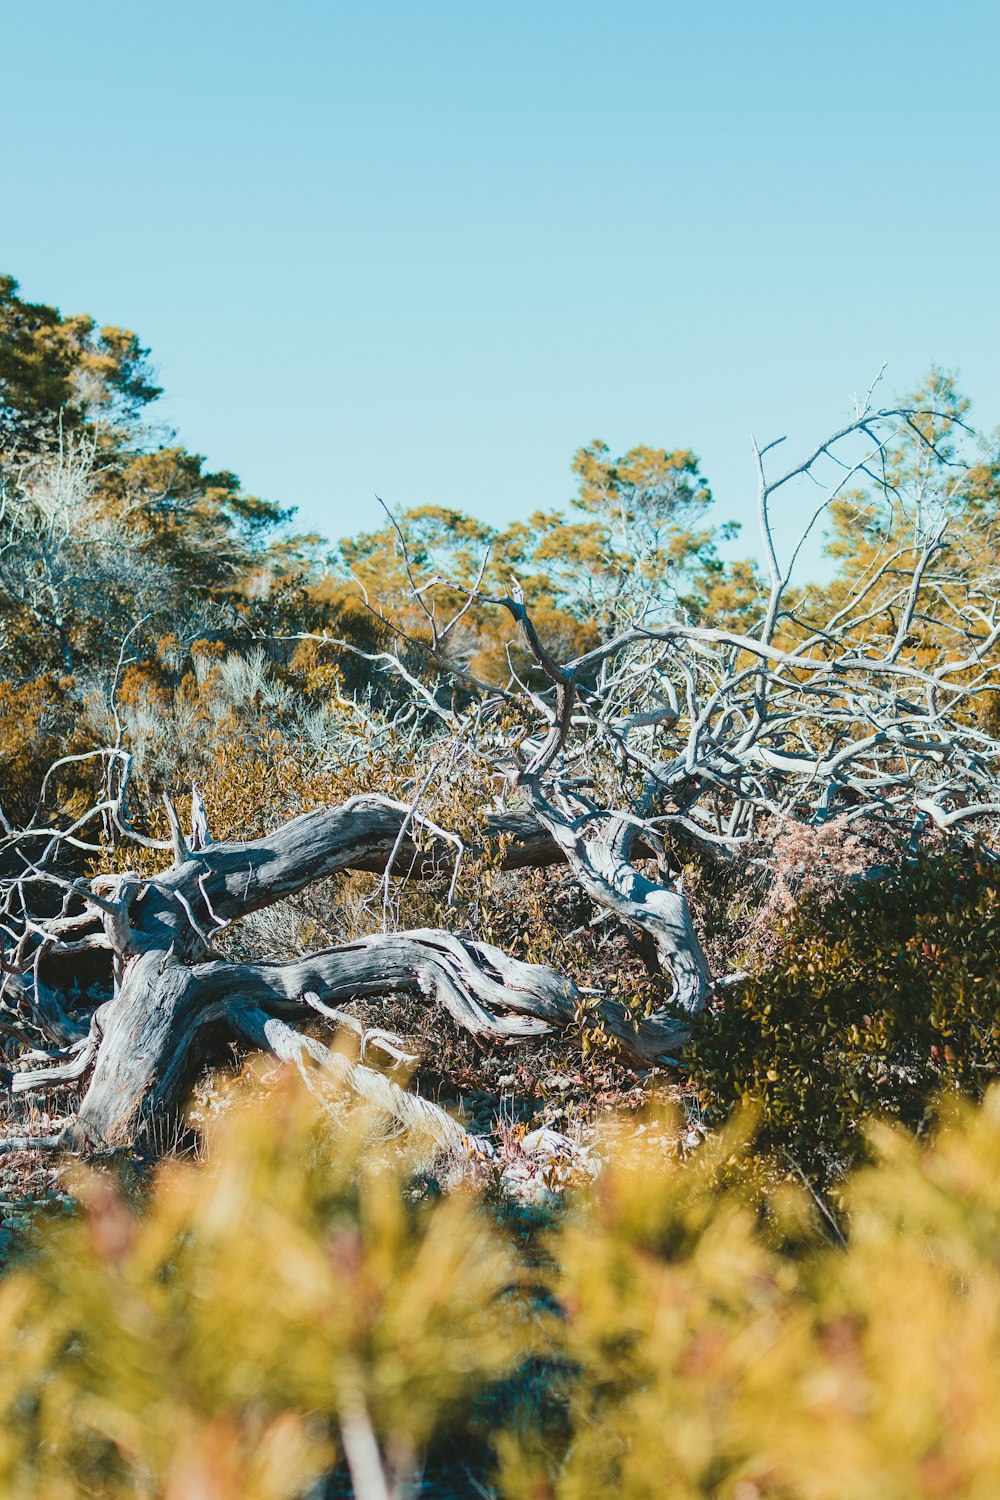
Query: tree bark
x=174 y=998
x=599 y=851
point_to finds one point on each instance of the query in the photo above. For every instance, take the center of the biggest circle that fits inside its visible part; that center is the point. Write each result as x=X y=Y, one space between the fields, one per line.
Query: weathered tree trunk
x=599 y=851
x=175 y=998
x=153 y=1046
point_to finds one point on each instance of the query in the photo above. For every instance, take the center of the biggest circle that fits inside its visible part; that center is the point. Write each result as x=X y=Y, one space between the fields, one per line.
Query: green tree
x=636 y=541
x=54 y=367
x=103 y=522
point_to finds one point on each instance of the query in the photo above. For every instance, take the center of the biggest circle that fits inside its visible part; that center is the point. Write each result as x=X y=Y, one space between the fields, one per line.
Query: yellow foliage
x=219 y=1342
x=38 y=724
x=691 y=1331
x=724 y=1358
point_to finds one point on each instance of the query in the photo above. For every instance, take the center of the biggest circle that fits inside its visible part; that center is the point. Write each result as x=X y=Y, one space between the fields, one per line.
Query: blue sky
x=427 y=250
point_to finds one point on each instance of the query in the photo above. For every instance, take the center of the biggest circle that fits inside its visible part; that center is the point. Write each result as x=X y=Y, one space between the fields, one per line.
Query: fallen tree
x=672 y=729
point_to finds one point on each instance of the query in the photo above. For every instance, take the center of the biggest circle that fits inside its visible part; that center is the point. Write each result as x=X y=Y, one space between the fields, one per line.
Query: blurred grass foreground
x=305 y=1313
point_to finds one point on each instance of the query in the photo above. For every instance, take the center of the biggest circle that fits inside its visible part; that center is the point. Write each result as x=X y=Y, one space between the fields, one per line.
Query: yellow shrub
x=224 y=1338
x=724 y=1358
x=681 y=1333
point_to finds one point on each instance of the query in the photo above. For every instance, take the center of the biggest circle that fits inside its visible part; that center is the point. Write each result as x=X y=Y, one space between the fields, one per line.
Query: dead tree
x=672 y=726
x=65 y=563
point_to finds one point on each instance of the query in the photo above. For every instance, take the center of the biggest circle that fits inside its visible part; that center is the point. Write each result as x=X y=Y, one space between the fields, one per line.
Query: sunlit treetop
x=67 y=365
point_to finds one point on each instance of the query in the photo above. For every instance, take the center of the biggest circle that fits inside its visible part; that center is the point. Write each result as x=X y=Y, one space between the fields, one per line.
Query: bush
x=232 y=1339
x=875 y=1003
x=301 y=1293
x=713 y=1364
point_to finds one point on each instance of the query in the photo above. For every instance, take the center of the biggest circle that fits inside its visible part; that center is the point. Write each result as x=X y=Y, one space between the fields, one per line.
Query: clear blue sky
x=429 y=249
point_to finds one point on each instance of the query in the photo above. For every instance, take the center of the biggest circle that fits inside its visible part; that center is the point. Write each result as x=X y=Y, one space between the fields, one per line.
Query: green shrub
x=712 y=1365
x=875 y=1004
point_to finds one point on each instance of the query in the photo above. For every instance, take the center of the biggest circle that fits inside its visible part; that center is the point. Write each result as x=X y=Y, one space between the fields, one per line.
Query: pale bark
x=176 y=1000
x=598 y=851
